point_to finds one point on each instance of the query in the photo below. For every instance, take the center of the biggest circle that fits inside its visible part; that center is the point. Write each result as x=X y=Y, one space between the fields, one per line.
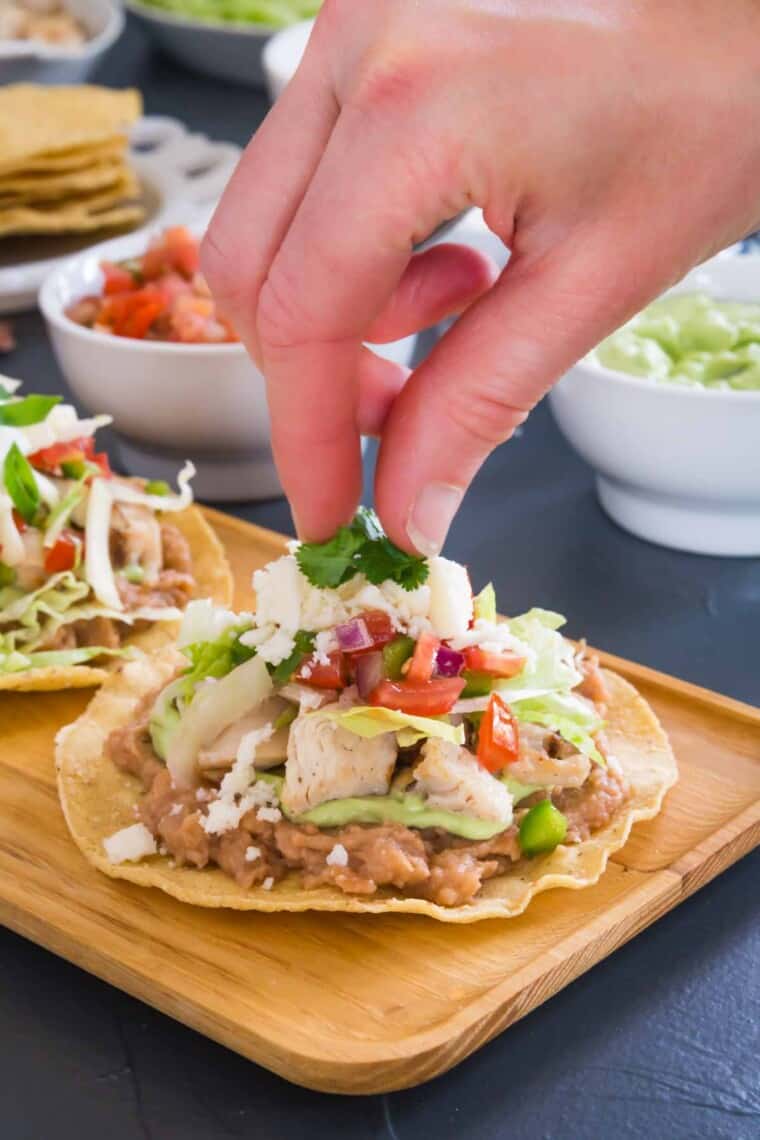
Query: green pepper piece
x=286 y=717
x=134 y=574
x=7 y=575
x=157 y=487
x=542 y=829
x=395 y=654
x=74 y=468
x=476 y=684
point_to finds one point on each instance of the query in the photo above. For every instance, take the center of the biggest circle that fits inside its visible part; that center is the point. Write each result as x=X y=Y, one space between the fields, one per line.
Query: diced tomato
x=19 y=521
x=100 y=459
x=498 y=738
x=321 y=676
x=132 y=314
x=176 y=249
x=505 y=663
x=432 y=698
x=49 y=459
x=63 y=555
x=116 y=279
x=419 y=668
x=379 y=628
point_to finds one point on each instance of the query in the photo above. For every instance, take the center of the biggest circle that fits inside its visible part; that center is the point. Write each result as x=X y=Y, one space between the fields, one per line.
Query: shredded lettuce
x=207 y=659
x=61 y=513
x=16 y=662
x=572 y=717
x=484 y=604
x=550 y=666
x=369 y=721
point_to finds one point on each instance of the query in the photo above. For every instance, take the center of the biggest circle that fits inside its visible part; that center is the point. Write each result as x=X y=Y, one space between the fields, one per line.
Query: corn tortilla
x=213 y=578
x=37 y=120
x=98 y=799
x=24 y=189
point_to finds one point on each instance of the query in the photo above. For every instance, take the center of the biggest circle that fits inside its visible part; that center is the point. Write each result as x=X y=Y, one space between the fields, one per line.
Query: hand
x=611 y=145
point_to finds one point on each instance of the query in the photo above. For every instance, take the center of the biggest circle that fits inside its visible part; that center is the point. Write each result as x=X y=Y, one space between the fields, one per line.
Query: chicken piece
x=222 y=752
x=452 y=779
x=136 y=538
x=31 y=573
x=175 y=549
x=326 y=762
x=547 y=760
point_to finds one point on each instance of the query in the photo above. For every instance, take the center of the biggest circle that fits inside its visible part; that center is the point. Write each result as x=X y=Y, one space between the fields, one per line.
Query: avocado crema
x=338 y=734
x=689 y=339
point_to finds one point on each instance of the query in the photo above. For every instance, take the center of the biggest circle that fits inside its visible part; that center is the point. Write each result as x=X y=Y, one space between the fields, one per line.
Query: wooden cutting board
x=364 y=1004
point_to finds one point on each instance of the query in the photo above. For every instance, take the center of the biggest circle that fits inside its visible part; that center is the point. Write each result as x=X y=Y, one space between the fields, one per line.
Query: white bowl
x=27 y=61
x=169 y=401
x=678 y=466
x=224 y=50
x=282 y=55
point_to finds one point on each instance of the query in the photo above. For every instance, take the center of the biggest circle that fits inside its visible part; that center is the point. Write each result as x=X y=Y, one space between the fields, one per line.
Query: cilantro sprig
x=362 y=547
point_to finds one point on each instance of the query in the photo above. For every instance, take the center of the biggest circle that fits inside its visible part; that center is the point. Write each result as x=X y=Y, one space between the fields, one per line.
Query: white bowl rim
x=721 y=266
x=30 y=49
x=177 y=20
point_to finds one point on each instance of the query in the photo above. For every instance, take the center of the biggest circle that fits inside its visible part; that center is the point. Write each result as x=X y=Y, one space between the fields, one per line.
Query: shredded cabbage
x=62 y=512
x=10 y=540
x=551 y=661
x=369 y=721
x=16 y=662
x=574 y=719
x=213 y=707
x=97 y=559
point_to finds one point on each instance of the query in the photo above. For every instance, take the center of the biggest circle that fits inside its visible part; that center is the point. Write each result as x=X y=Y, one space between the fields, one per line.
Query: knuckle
x=486 y=413
x=281 y=317
x=224 y=271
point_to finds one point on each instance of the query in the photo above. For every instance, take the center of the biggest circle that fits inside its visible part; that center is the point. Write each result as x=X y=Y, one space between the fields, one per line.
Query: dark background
x=660 y=1041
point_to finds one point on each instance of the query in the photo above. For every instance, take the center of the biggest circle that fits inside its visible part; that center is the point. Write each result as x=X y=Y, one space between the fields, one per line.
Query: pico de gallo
x=372 y=724
x=160 y=295
x=86 y=556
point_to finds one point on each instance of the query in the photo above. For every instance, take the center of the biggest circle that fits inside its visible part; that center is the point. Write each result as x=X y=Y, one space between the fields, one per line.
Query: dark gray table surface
x=660 y=1041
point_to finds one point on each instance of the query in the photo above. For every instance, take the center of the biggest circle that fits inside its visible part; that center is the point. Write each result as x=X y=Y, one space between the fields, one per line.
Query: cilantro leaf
x=330 y=563
x=360 y=548
x=29 y=410
x=20 y=483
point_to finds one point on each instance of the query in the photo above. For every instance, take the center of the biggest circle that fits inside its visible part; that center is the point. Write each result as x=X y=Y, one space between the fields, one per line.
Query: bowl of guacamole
x=221 y=38
x=666 y=411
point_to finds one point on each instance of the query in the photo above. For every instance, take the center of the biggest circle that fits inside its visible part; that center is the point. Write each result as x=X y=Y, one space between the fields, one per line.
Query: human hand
x=611 y=145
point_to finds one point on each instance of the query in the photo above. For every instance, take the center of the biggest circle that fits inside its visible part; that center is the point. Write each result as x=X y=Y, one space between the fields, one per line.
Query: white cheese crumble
x=338 y=857
x=130 y=844
x=268 y=883
x=203 y=621
x=269 y=814
x=252 y=854
x=237 y=792
x=450 y=597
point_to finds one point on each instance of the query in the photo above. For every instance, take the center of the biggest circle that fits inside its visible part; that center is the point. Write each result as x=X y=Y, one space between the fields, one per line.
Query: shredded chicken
x=452 y=779
x=135 y=539
x=547 y=760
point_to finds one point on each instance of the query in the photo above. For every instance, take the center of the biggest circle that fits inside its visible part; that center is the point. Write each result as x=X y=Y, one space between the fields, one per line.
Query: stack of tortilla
x=63 y=159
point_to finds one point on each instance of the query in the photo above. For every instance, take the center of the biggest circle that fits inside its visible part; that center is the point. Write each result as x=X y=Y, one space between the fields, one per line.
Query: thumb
x=482 y=379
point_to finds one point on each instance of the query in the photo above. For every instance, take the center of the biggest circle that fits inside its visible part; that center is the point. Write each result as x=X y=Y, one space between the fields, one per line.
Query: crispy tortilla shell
x=213 y=579
x=98 y=799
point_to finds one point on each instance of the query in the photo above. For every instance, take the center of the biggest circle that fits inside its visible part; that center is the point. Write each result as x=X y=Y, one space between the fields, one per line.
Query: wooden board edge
x=415 y=1059
x=719 y=851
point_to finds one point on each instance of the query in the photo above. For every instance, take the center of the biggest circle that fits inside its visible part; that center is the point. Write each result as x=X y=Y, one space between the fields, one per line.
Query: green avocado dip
x=271 y=13
x=689 y=339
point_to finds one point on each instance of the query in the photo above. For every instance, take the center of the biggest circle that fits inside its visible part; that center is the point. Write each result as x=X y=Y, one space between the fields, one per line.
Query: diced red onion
x=448 y=662
x=369 y=671
x=353 y=636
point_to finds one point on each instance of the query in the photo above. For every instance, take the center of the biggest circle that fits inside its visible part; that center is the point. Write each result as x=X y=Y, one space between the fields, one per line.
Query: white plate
x=227 y=51
x=182 y=175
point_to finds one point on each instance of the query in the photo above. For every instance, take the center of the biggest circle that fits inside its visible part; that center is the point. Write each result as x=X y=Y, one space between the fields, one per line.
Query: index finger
x=340 y=261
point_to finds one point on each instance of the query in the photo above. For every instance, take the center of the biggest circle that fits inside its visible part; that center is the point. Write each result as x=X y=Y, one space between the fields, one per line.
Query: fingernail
x=431 y=515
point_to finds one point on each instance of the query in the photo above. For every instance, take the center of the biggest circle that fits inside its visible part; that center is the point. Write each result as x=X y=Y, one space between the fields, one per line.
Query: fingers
x=380 y=382
x=265 y=191
x=483 y=378
x=439 y=283
x=336 y=270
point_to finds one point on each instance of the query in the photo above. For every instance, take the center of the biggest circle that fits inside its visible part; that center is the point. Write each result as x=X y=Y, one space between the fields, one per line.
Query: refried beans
x=430 y=863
